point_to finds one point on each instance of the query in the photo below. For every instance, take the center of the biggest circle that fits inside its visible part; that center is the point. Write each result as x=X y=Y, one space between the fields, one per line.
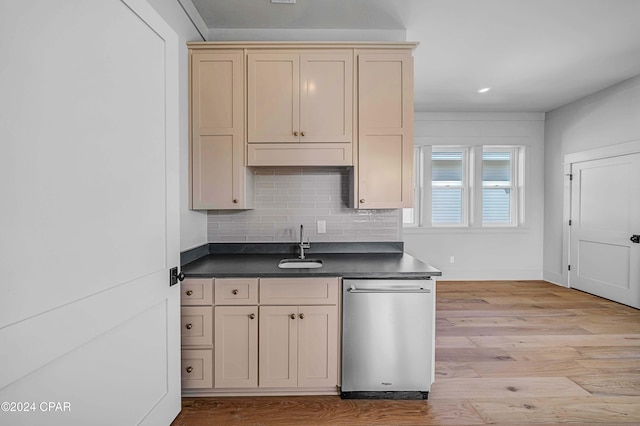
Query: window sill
x=467 y=230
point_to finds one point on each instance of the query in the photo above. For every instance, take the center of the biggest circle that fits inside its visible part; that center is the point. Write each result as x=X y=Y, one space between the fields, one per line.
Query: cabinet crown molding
x=301 y=44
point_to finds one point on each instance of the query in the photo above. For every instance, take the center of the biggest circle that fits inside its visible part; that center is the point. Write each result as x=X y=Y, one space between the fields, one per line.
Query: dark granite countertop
x=347 y=260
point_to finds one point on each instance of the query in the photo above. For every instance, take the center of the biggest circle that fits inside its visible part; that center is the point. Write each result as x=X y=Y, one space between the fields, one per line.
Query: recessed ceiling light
x=484 y=90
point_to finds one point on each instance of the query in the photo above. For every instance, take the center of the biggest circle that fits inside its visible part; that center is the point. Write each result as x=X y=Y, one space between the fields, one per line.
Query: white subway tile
x=288 y=197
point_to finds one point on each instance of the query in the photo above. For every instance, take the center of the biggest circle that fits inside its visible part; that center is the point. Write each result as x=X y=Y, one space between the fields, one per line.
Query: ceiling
x=535 y=55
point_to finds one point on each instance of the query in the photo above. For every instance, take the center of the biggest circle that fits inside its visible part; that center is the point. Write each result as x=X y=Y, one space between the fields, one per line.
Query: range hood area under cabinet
x=300 y=104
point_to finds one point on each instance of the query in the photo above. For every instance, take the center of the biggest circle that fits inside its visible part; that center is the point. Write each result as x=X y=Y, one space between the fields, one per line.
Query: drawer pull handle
x=234 y=291
x=302 y=134
x=362 y=200
x=295 y=133
x=235 y=201
x=301 y=316
x=292 y=316
x=252 y=316
x=188 y=326
x=189 y=369
x=189 y=292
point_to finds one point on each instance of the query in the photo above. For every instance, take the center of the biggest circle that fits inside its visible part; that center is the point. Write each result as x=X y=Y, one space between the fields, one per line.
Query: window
x=472 y=186
x=499 y=194
x=449 y=187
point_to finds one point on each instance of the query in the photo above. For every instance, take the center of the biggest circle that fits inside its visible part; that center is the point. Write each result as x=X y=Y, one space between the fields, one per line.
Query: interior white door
x=89 y=227
x=605 y=214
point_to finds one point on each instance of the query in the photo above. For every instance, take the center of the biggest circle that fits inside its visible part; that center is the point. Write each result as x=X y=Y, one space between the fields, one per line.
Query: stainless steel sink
x=300 y=263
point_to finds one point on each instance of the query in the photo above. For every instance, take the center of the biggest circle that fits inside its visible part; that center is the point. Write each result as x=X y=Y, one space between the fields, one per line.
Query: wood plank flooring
x=507 y=352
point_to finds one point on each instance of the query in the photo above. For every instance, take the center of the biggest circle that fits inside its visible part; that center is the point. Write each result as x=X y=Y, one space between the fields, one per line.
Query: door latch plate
x=174 y=276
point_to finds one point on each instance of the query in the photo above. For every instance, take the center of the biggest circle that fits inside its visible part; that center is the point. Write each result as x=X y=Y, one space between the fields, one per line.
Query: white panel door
x=89 y=326
x=605 y=214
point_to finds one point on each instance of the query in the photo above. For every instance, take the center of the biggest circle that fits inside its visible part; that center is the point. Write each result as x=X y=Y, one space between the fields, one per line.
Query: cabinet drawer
x=236 y=291
x=197 y=368
x=196 y=291
x=299 y=291
x=197 y=325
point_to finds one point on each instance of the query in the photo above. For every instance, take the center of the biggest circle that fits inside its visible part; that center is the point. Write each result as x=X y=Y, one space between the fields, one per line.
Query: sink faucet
x=302 y=244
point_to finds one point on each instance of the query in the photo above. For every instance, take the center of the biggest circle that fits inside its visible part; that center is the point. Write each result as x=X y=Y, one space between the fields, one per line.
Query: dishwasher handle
x=395 y=289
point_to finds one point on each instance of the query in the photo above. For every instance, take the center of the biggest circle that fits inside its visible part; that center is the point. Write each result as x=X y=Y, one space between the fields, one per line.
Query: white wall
x=193 y=224
x=486 y=253
x=605 y=118
x=276 y=34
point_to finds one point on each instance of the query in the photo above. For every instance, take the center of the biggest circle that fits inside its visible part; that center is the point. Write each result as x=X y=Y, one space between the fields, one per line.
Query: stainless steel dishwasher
x=388 y=329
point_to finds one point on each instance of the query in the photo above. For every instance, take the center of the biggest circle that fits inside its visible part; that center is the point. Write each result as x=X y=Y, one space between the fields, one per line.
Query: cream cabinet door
x=298 y=346
x=273 y=101
x=385 y=114
x=326 y=97
x=317 y=346
x=278 y=346
x=218 y=175
x=236 y=346
x=300 y=97
x=197 y=367
x=196 y=324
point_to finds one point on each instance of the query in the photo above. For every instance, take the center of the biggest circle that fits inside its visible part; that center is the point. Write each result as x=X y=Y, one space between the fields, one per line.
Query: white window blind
x=448 y=187
x=498 y=189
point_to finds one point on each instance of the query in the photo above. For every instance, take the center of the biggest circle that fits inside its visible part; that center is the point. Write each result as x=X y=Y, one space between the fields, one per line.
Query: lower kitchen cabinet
x=196 y=368
x=236 y=346
x=196 y=325
x=298 y=346
x=277 y=335
x=317 y=346
x=196 y=329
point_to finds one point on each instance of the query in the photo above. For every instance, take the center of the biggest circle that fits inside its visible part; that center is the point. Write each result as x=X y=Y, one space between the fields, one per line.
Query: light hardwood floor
x=507 y=352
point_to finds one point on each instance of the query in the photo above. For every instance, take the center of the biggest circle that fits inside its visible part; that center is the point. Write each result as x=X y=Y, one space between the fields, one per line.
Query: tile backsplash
x=286 y=197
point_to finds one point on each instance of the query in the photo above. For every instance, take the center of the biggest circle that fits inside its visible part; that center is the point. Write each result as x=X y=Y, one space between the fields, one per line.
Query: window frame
x=418 y=192
x=472 y=173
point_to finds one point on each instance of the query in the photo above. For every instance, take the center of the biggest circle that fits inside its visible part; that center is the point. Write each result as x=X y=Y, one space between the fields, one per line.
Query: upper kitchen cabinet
x=300 y=108
x=219 y=178
x=384 y=178
x=301 y=104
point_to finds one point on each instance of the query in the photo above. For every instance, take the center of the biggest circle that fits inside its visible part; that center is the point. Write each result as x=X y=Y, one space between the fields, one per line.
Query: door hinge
x=568 y=267
x=570 y=176
x=569 y=222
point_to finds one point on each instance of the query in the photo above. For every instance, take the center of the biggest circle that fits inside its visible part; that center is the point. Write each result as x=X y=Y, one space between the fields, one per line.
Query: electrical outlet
x=452 y=259
x=322 y=227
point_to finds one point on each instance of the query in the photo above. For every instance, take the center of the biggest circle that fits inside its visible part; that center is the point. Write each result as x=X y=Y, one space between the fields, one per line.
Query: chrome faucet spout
x=302 y=244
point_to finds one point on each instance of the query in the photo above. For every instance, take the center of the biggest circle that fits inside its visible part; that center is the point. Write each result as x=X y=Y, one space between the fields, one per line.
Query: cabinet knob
x=295 y=133
x=292 y=316
x=362 y=200
x=235 y=201
x=188 y=326
x=189 y=292
x=302 y=134
x=189 y=369
x=301 y=316
x=252 y=316
x=234 y=291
